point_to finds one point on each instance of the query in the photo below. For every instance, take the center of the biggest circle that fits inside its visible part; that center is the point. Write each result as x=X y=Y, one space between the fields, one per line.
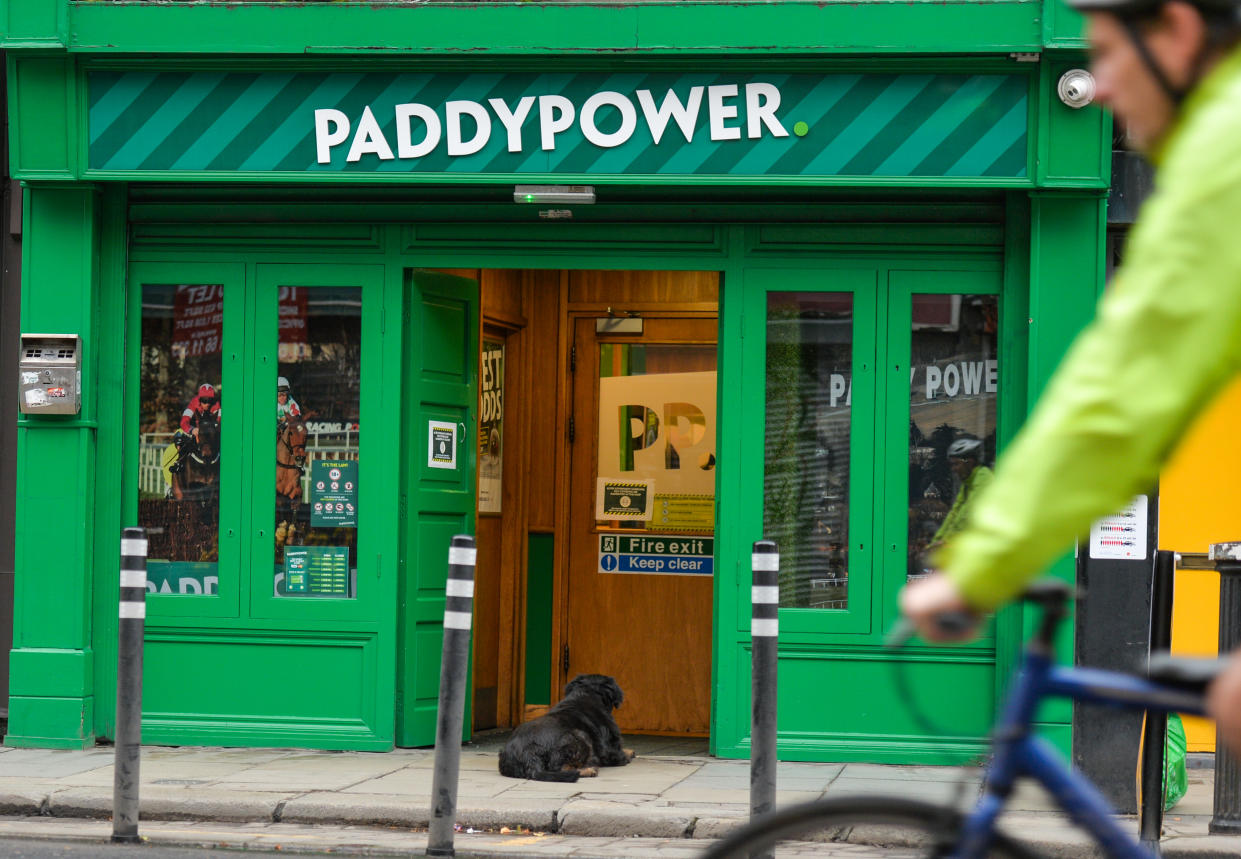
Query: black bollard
x=765 y=640
x=128 y=751
x=458 y=616
x=1226 y=818
x=1155 y=727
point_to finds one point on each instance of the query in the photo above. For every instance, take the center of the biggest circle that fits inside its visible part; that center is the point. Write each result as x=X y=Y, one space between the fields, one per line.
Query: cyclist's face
x=1123 y=83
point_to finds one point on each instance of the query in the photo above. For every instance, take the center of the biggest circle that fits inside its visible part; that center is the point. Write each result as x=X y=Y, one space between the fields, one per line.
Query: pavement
x=666 y=803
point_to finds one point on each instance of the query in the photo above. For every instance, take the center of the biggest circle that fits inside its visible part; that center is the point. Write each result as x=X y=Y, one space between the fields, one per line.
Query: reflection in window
x=806 y=472
x=952 y=413
x=179 y=435
x=656 y=437
x=317 y=400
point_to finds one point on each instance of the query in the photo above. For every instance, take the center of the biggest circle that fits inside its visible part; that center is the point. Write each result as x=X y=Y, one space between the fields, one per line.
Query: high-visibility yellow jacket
x=1166 y=339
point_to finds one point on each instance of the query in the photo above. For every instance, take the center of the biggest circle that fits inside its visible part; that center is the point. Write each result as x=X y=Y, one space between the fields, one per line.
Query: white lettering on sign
x=465 y=127
x=405 y=146
x=968 y=378
x=482 y=127
x=671 y=108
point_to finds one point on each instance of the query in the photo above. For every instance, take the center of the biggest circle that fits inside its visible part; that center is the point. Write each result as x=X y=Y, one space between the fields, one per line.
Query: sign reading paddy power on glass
x=391 y=125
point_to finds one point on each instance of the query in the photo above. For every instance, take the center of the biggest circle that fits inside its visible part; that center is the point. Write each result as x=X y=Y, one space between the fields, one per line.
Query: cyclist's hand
x=923 y=602
x=1224 y=703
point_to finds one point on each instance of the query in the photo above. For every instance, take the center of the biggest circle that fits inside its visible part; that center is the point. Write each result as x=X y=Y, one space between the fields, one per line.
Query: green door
x=438 y=420
x=862 y=381
x=265 y=483
x=816 y=377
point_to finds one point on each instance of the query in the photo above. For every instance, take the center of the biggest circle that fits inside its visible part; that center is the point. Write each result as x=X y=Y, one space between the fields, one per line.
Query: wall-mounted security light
x=1076 y=88
x=564 y=195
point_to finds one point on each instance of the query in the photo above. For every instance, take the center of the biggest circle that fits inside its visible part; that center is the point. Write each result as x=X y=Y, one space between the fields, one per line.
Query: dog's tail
x=556 y=775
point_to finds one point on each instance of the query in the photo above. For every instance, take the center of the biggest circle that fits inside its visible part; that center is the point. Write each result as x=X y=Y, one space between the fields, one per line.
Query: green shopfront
x=822 y=283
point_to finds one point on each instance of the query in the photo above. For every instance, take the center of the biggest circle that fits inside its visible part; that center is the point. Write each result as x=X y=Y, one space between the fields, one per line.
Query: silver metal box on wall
x=49 y=374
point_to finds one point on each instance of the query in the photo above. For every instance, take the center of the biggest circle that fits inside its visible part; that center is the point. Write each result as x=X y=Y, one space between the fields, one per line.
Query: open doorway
x=596 y=497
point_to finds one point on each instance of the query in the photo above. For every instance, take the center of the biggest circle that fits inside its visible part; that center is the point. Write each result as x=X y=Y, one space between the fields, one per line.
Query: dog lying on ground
x=571 y=739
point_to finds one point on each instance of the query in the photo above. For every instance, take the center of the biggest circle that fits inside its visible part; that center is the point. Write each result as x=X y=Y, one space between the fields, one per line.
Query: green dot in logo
x=801 y=129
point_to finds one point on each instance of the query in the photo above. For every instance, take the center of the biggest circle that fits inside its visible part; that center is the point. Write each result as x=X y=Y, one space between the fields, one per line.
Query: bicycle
x=1172 y=685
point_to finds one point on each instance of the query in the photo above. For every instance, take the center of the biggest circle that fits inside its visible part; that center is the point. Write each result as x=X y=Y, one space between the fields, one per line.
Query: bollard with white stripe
x=128 y=751
x=458 y=613
x=764 y=633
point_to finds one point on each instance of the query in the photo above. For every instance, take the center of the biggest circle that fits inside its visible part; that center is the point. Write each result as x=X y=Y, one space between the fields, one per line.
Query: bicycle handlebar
x=1050 y=594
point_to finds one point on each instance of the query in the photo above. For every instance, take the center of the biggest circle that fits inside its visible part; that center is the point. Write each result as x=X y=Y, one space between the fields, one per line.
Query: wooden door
x=640 y=583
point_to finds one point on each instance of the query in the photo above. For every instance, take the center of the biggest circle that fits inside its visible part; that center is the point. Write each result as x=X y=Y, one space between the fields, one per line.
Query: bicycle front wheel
x=915 y=828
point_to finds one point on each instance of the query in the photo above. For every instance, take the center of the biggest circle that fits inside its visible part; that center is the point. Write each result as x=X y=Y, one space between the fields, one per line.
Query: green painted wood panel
x=859 y=710
x=911 y=26
x=440 y=333
x=315 y=689
x=43 y=92
x=56 y=460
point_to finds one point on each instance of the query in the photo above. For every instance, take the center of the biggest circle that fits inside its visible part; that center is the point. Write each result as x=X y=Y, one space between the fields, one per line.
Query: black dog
x=572 y=738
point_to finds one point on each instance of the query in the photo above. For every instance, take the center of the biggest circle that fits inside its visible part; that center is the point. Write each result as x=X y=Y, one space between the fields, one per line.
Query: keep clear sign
x=658 y=554
x=333 y=494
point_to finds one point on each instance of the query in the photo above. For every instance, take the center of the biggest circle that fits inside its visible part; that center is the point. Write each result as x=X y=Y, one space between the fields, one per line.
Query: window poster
x=491 y=426
x=658 y=431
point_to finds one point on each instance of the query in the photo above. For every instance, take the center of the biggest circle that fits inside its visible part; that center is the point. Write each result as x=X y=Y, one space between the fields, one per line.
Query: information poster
x=316 y=570
x=1121 y=536
x=685 y=512
x=491 y=427
x=441 y=444
x=623 y=499
x=334 y=493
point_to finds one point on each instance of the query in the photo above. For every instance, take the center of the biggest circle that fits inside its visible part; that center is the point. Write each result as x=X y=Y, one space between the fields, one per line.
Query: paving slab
x=28 y=801
x=54 y=763
x=587 y=817
x=368 y=809
x=168 y=804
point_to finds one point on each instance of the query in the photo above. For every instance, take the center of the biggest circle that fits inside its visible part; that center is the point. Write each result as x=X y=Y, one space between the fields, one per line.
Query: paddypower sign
x=591 y=124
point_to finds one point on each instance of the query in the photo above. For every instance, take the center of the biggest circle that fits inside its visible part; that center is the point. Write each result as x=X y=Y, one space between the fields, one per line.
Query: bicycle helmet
x=1129 y=12
x=965 y=447
x=1136 y=8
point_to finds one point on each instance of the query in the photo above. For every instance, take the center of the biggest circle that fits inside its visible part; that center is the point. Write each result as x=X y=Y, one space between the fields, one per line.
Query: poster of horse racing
x=185 y=439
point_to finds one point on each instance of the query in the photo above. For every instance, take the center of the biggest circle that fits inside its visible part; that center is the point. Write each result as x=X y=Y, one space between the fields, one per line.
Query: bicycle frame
x=1018 y=753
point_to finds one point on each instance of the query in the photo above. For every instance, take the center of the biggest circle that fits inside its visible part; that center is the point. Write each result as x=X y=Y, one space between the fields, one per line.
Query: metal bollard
x=1155 y=727
x=765 y=642
x=1226 y=818
x=128 y=751
x=458 y=615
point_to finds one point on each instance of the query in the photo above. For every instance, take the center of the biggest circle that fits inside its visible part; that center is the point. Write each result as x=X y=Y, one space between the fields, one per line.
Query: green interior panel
x=539 y=581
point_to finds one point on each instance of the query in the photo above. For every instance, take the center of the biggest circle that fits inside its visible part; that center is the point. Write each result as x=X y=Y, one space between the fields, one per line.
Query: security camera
x=1076 y=88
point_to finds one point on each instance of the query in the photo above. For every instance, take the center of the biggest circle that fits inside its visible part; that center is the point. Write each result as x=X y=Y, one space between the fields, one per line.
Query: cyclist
x=965 y=460
x=1168 y=333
